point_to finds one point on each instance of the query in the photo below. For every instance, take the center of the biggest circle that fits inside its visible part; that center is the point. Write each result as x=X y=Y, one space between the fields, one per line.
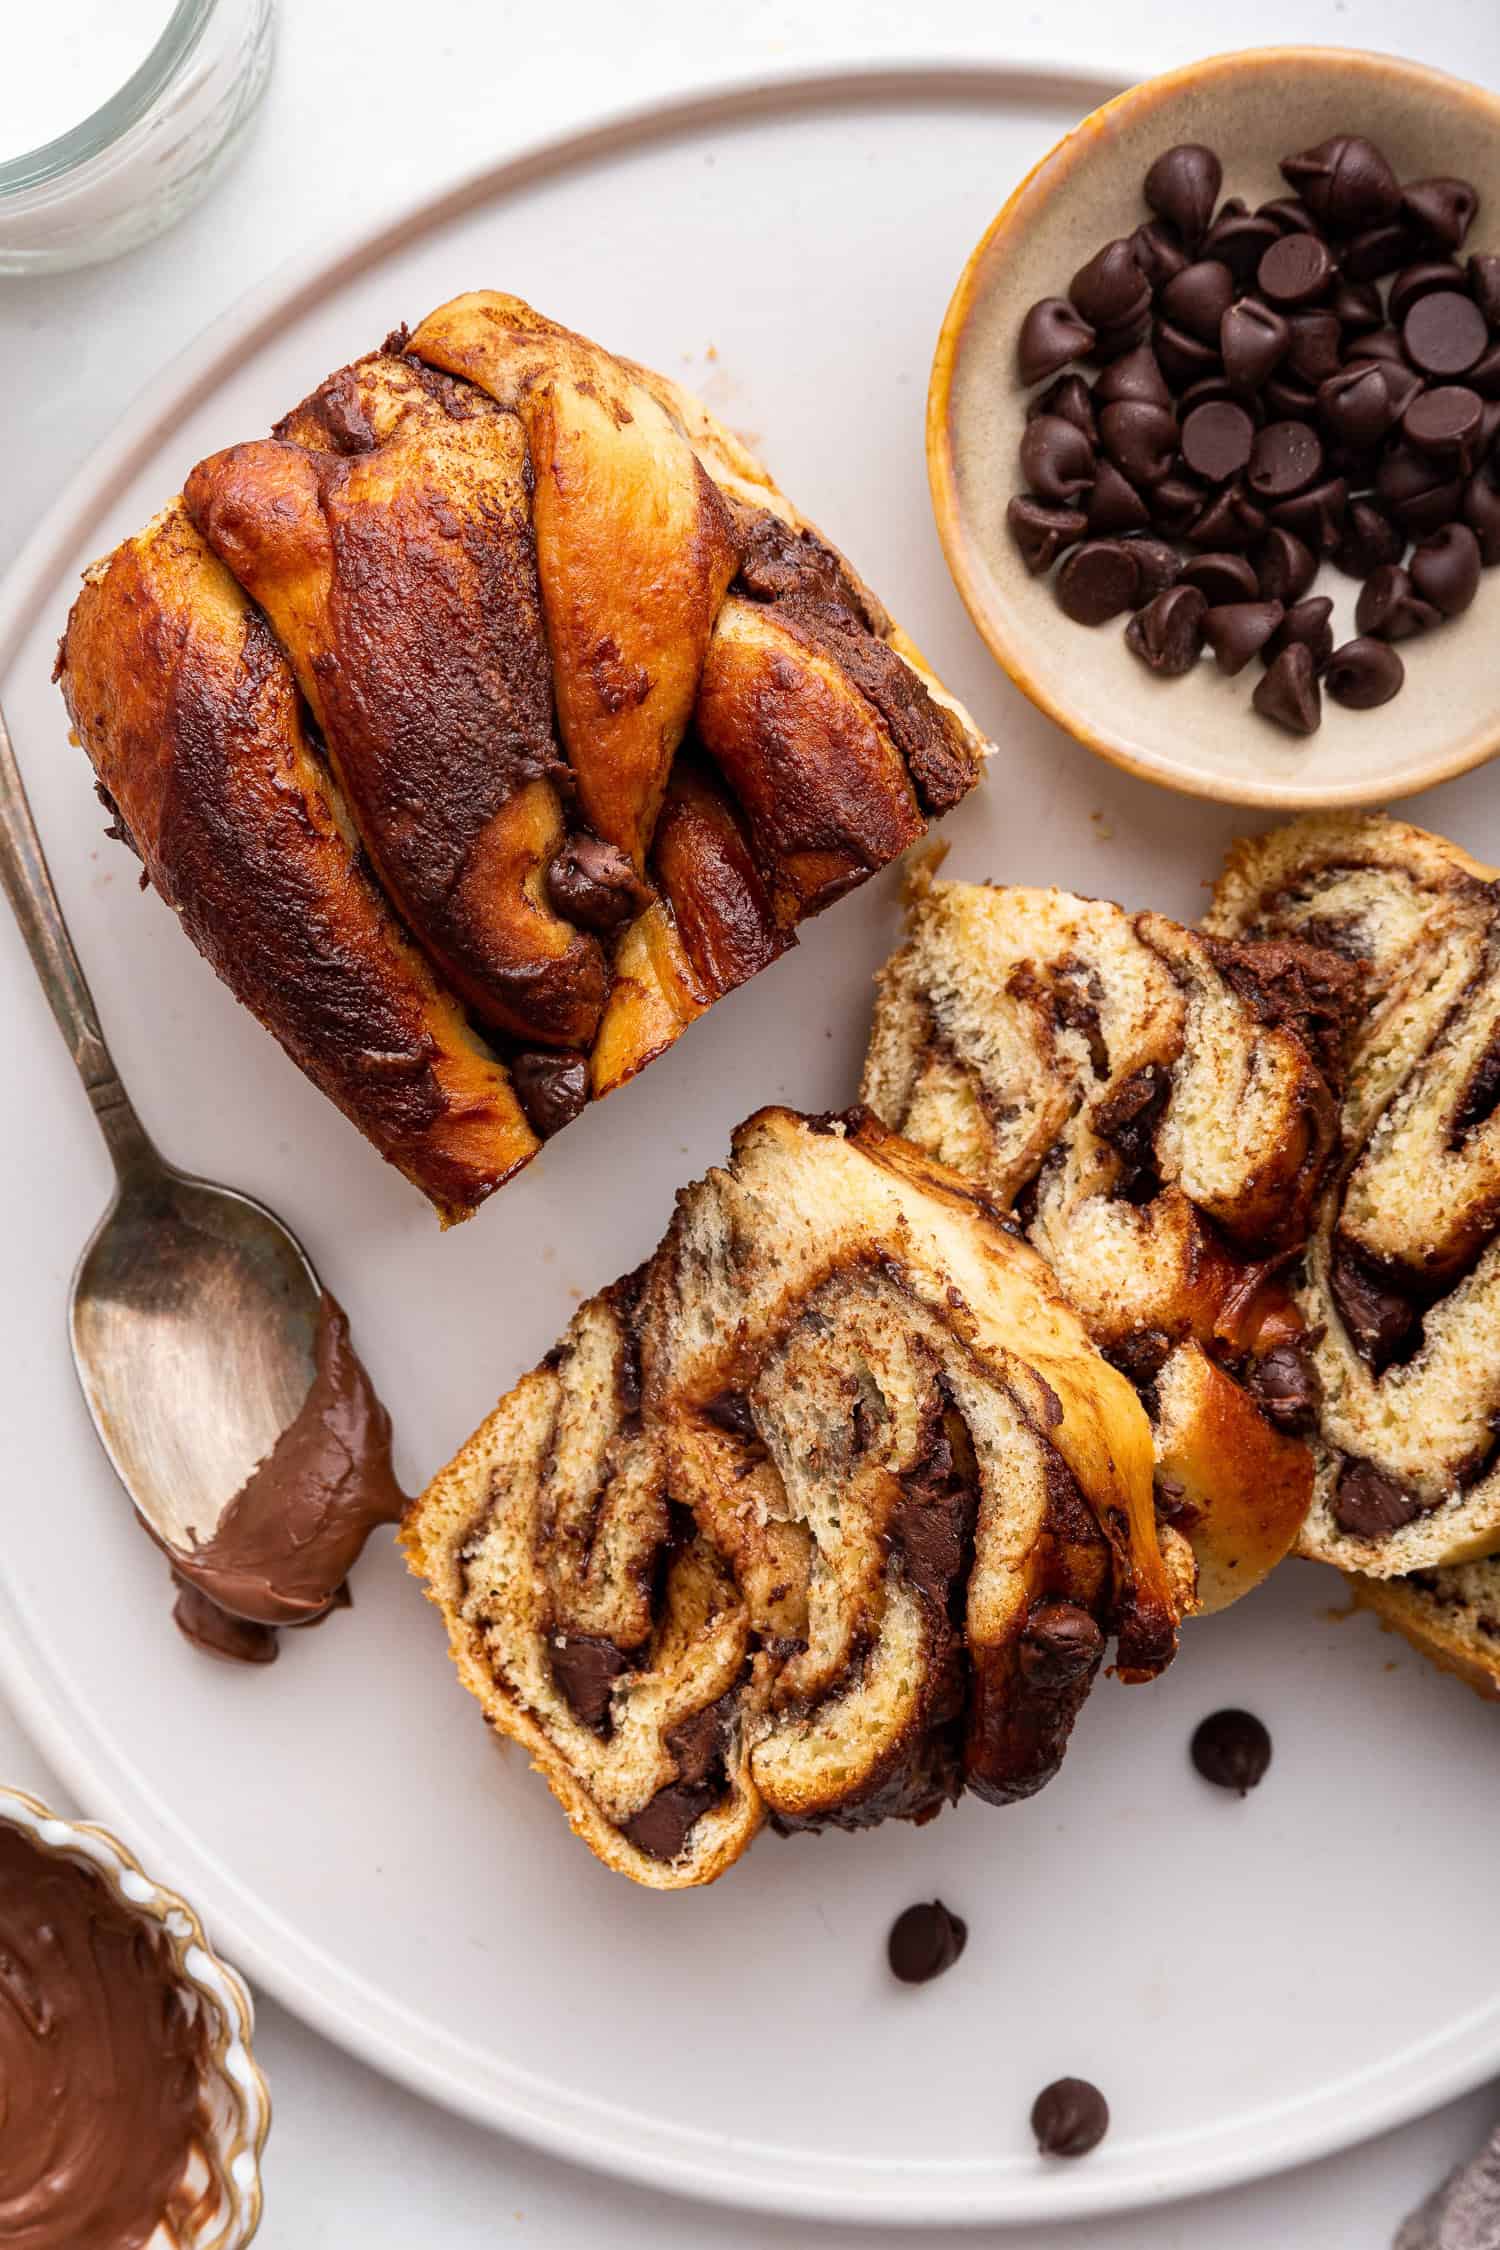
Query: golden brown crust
x=1404 y=1607
x=188 y=708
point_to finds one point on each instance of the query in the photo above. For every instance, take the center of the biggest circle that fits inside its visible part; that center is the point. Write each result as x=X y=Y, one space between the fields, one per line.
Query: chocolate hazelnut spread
x=99 y=2061
x=287 y=1541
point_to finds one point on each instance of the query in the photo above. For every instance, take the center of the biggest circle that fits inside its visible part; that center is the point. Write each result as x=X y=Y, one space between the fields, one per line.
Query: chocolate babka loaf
x=1451 y=1614
x=1154 y=1107
x=1400 y=1285
x=489 y=721
x=823 y=1515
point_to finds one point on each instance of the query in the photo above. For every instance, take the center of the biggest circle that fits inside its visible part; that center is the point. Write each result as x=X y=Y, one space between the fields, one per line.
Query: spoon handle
x=28 y=886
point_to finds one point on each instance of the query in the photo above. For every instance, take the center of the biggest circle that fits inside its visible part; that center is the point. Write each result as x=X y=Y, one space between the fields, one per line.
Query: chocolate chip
x=1313 y=353
x=1345 y=182
x=1316 y=516
x=1232 y=1749
x=1253 y=340
x=552 y=1088
x=1369 y=540
x=662 y=1827
x=1220 y=579
x=1069 y=2117
x=1175 y=503
x=1288 y=692
x=1158 y=253
x=1390 y=608
x=1420 y=493
x=1134 y=374
x=1288 y=214
x=586 y=1667
x=1285 y=457
x=1442 y=208
x=1236 y=631
x=1110 y=289
x=1157 y=566
x=1197 y=299
x=1444 y=333
x=1483 y=276
x=1141 y=439
x=1484 y=375
x=1419 y=280
x=1364 y=673
x=1382 y=344
x=1070 y=397
x=1308 y=622
x=697 y=1744
x=1057 y=460
x=1114 y=504
x=1284 y=1381
x=730 y=1411
x=1379 y=250
x=594 y=884
x=1167 y=634
x=1182 y=187
x=1113 y=343
x=1051 y=334
x=1129 y=1117
x=1239 y=240
x=1380 y=1319
x=1216 y=440
x=1370 y=1503
x=1481 y=509
x=1445 y=422
x=1288 y=399
x=1444 y=569
x=1042 y=533
x=1284 y=567
x=924 y=1941
x=1296 y=270
x=1061 y=1642
x=1355 y=406
x=1183 y=358
x=1230 y=519
x=1097 y=581
x=1356 y=305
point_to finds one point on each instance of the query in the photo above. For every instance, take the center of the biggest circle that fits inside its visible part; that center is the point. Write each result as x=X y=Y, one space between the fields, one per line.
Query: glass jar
x=148 y=151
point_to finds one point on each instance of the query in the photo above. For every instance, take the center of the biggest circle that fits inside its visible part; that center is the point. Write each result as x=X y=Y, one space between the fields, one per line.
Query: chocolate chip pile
x=1265 y=402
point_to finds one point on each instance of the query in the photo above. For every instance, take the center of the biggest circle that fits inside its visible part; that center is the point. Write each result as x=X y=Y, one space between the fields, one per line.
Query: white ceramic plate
x=1251 y=1983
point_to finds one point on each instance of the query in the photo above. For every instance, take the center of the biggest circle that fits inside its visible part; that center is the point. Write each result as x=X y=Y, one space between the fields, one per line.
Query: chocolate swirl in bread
x=578 y=716
x=1400 y=1287
x=1153 y=1107
x=825 y=1514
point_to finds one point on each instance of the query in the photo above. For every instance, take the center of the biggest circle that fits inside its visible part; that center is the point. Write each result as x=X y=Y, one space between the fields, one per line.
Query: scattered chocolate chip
x=1345 y=183
x=1382 y=344
x=1484 y=375
x=1420 y=493
x=1444 y=333
x=1110 y=290
x=1420 y=280
x=1182 y=187
x=1240 y=239
x=1135 y=374
x=1230 y=519
x=1158 y=253
x=1112 y=343
x=1042 y=533
x=1288 y=399
x=1070 y=397
x=1482 y=274
x=1051 y=334
x=1308 y=622
x=1284 y=1381
x=1157 y=566
x=1198 y=298
x=586 y=1667
x=1285 y=457
x=1355 y=406
x=1288 y=692
x=1069 y=2117
x=1182 y=357
x=1167 y=634
x=1369 y=1503
x=1232 y=1749
x=1313 y=354
x=1390 y=608
x=1284 y=567
x=1444 y=569
x=552 y=1088
x=1220 y=578
x=1097 y=582
x=1141 y=439
x=1481 y=511
x=1288 y=214
x=1379 y=251
x=594 y=884
x=1114 y=504
x=1316 y=516
x=1057 y=460
x=1369 y=540
x=1441 y=208
x=1364 y=673
x=1253 y=341
x=924 y=1941
x=1175 y=503
x=1356 y=305
x=1236 y=631
x=1295 y=271
x=1061 y=1642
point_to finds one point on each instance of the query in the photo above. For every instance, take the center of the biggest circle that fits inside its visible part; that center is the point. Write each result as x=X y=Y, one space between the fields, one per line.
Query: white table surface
x=369 y=104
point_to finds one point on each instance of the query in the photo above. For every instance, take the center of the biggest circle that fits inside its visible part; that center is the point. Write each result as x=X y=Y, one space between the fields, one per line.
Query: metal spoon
x=193 y=1310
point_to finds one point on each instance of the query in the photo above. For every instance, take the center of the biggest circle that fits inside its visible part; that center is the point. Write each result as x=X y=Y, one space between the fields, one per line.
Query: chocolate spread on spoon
x=99 y=2061
x=287 y=1541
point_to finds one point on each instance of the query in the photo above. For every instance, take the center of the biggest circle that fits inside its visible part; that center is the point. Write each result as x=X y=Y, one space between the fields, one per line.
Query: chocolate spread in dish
x=100 y=2053
x=286 y=1543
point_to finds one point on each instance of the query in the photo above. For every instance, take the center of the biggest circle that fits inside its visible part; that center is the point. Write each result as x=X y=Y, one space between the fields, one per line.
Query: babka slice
x=1451 y=1615
x=821 y=1516
x=1154 y=1108
x=1400 y=1290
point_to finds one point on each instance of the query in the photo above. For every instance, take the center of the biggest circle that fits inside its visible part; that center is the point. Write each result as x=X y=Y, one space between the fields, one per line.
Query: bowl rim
x=221 y=1991
x=1062 y=160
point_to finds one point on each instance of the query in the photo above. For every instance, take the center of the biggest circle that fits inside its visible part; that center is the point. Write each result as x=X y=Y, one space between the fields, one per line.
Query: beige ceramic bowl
x=218 y=2205
x=1199 y=733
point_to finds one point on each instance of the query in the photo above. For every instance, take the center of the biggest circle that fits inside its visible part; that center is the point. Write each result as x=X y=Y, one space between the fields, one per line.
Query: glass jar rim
x=125 y=107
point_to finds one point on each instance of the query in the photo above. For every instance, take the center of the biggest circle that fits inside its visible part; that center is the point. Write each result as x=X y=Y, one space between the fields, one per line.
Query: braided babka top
x=490 y=720
x=1155 y=1108
x=822 y=1516
x=1400 y=1288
